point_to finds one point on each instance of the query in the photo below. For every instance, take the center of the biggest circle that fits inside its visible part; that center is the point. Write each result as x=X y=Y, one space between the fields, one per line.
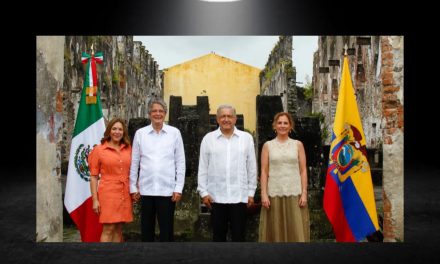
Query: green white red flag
x=89 y=129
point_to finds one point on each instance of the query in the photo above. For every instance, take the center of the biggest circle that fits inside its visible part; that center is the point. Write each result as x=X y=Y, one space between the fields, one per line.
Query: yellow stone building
x=223 y=80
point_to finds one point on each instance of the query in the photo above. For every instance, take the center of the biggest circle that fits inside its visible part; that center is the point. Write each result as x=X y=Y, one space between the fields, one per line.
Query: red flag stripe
x=98 y=59
x=335 y=212
x=87 y=222
x=94 y=74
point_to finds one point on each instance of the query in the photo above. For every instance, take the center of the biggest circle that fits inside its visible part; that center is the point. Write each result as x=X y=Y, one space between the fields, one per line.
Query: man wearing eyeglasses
x=157 y=173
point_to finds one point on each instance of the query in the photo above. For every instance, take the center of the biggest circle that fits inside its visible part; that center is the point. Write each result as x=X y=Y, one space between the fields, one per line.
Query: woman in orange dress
x=110 y=163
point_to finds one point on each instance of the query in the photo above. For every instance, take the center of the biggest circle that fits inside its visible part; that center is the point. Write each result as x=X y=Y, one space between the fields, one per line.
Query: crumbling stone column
x=279 y=76
x=392 y=123
x=203 y=112
x=193 y=123
x=50 y=76
x=267 y=107
x=174 y=110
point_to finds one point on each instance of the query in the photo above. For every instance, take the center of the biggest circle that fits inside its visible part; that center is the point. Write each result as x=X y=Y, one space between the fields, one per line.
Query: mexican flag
x=89 y=129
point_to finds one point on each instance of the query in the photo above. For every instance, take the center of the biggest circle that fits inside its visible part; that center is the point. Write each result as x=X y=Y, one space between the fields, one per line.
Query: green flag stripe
x=87 y=113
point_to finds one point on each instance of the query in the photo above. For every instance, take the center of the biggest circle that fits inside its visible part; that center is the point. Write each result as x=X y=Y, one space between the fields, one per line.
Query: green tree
x=308 y=89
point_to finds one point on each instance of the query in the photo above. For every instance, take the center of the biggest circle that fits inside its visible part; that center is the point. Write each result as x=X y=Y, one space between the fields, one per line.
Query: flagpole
x=345 y=49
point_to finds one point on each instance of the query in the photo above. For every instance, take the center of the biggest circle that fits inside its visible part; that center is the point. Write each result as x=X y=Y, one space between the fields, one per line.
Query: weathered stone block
x=134 y=124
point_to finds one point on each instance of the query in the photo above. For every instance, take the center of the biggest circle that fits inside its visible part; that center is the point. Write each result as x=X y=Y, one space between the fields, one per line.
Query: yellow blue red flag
x=348 y=195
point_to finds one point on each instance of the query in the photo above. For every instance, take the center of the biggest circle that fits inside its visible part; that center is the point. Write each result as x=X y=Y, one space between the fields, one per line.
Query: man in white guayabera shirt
x=227 y=177
x=158 y=151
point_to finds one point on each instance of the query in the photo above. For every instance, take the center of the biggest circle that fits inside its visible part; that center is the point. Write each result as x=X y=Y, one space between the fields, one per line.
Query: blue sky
x=252 y=50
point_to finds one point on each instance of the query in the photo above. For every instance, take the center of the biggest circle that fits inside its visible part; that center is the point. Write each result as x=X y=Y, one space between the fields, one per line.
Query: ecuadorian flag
x=348 y=196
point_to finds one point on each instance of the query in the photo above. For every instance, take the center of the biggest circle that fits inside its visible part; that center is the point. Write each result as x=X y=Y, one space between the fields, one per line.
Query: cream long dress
x=284 y=221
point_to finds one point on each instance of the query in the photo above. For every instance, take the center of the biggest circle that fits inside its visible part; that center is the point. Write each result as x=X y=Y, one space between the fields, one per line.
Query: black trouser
x=164 y=208
x=222 y=214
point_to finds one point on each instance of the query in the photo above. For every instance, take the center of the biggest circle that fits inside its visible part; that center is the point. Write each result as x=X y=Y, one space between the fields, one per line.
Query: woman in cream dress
x=284 y=214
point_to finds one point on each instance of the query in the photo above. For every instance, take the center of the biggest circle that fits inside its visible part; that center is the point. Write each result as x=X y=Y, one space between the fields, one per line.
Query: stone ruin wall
x=376 y=68
x=278 y=78
x=127 y=79
x=364 y=63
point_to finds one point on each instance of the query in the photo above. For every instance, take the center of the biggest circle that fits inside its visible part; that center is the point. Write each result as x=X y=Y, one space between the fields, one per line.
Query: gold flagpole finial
x=345 y=49
x=91 y=48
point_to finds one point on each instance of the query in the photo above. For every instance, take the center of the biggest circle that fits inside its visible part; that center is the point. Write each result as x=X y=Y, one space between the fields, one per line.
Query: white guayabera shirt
x=227 y=167
x=161 y=159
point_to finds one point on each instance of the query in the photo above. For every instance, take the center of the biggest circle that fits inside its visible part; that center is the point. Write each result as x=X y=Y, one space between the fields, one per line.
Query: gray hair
x=226 y=106
x=159 y=101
